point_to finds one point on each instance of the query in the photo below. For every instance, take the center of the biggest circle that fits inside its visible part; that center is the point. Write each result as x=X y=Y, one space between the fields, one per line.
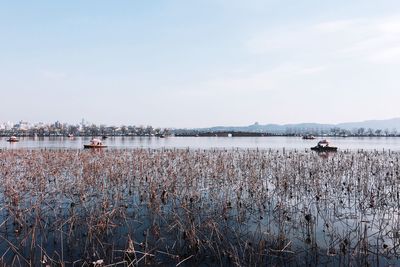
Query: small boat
x=324 y=146
x=70 y=135
x=104 y=137
x=12 y=139
x=95 y=143
x=308 y=137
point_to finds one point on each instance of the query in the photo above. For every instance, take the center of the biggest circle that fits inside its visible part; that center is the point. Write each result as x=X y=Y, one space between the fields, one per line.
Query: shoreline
x=220 y=134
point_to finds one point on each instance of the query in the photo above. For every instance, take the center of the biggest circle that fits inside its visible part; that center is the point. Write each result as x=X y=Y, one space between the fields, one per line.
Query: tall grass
x=181 y=207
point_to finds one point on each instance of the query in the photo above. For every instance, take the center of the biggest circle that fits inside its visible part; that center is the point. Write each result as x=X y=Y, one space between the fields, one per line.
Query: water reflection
x=326 y=154
x=291 y=143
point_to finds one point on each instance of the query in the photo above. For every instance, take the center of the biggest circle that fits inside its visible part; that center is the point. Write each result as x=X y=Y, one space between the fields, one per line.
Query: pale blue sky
x=199 y=63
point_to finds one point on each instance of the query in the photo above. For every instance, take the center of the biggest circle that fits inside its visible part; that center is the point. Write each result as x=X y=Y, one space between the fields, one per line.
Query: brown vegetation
x=182 y=207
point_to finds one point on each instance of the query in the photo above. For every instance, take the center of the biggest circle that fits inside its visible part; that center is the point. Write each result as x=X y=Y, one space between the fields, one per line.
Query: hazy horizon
x=207 y=126
x=190 y=65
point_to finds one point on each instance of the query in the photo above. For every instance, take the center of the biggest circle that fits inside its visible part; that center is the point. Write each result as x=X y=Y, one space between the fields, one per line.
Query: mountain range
x=389 y=124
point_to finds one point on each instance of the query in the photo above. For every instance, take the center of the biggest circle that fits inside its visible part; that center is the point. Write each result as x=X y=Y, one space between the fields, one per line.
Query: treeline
x=336 y=131
x=59 y=129
x=63 y=129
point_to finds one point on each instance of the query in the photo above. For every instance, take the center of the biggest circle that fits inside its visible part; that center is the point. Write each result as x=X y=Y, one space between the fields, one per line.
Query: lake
x=351 y=143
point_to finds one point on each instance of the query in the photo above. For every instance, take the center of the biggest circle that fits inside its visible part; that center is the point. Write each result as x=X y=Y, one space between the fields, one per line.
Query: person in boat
x=13 y=139
x=96 y=142
x=323 y=143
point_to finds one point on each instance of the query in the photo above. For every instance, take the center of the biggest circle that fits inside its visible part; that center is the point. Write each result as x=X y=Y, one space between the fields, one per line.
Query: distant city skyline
x=199 y=64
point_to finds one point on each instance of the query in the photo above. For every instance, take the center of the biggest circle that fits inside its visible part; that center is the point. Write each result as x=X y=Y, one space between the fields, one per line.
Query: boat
x=95 y=143
x=324 y=146
x=104 y=137
x=70 y=135
x=308 y=137
x=12 y=139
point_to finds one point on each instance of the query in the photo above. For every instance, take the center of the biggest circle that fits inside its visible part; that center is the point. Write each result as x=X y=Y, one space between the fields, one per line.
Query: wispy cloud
x=281 y=77
x=368 y=40
x=336 y=25
x=381 y=43
x=52 y=75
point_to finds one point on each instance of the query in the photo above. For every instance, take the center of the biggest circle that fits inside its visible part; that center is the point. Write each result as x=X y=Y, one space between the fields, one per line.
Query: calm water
x=353 y=143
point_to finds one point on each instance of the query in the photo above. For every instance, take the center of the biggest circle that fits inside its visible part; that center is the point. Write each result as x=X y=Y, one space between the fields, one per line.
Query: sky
x=180 y=63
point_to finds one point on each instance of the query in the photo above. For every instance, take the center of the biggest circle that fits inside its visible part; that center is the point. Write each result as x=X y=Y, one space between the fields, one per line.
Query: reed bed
x=183 y=207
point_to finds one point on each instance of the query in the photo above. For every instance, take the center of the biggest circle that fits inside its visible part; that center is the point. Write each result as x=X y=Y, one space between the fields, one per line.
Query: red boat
x=12 y=139
x=95 y=143
x=308 y=137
